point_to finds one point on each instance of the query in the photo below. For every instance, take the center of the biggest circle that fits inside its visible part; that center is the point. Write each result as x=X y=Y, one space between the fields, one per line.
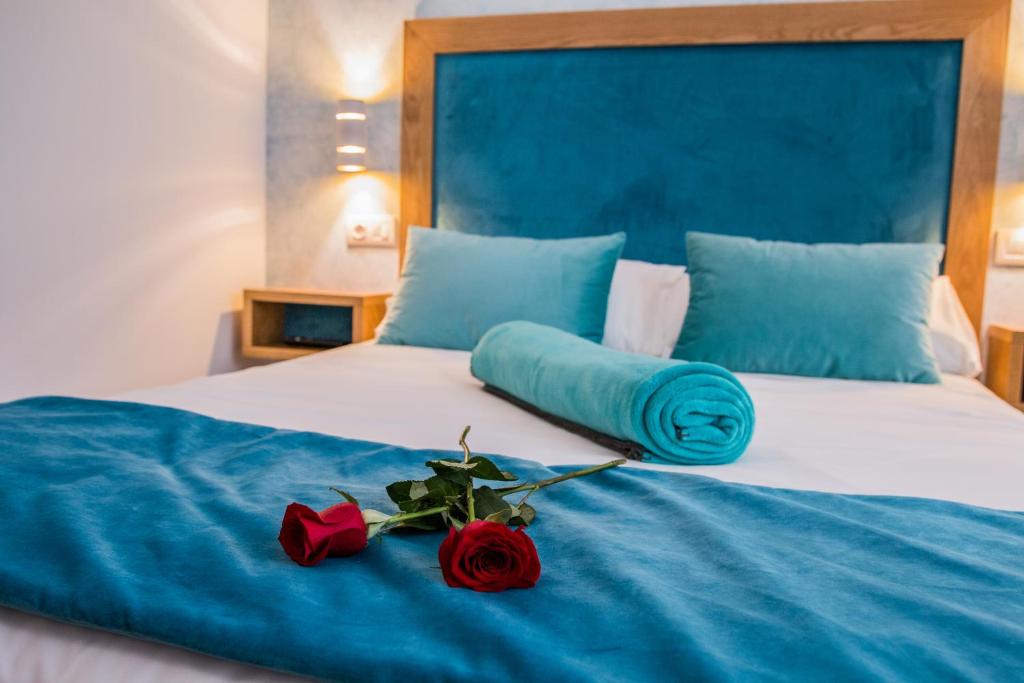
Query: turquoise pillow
x=456 y=286
x=820 y=310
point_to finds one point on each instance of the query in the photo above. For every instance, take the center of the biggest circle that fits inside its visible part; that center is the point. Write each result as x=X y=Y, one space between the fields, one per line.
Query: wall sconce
x=351 y=132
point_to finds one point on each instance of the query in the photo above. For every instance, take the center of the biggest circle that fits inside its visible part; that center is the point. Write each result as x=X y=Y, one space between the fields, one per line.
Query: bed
x=952 y=441
x=971 y=455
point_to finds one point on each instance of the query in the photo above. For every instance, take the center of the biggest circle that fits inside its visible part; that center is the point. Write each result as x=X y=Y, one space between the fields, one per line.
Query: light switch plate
x=1010 y=247
x=370 y=230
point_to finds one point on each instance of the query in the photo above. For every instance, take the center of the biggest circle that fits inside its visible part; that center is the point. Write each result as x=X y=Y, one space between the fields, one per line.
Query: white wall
x=131 y=189
x=322 y=50
x=1004 y=295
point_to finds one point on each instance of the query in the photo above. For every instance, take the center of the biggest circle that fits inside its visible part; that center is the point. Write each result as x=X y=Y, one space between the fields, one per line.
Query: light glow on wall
x=363 y=69
x=1010 y=205
x=365 y=40
x=366 y=193
x=1015 y=52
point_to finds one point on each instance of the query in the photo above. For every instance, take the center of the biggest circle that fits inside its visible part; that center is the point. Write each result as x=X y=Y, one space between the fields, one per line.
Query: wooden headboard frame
x=982 y=25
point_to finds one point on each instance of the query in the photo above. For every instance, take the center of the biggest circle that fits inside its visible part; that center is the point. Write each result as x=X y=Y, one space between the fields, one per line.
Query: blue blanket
x=162 y=524
x=679 y=412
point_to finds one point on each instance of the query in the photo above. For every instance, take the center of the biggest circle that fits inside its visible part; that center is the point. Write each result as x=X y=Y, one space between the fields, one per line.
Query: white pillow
x=646 y=307
x=953 y=339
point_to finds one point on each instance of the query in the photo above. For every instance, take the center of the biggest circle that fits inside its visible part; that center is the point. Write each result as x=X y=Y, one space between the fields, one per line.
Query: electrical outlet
x=1010 y=247
x=370 y=230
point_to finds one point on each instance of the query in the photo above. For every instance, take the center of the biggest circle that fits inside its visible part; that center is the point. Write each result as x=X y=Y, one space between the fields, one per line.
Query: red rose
x=488 y=556
x=309 y=536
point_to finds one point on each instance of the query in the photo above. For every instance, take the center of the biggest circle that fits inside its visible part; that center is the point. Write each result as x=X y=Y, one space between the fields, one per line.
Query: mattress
x=953 y=441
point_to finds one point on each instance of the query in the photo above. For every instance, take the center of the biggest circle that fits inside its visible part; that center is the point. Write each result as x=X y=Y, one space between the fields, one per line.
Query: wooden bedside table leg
x=1004 y=372
x=365 y=319
x=247 y=326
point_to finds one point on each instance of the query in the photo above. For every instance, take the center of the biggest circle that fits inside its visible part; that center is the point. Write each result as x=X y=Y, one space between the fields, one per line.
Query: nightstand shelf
x=279 y=324
x=1004 y=373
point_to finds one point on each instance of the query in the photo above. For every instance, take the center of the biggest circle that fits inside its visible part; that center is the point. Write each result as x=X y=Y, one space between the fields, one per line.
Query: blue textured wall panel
x=838 y=142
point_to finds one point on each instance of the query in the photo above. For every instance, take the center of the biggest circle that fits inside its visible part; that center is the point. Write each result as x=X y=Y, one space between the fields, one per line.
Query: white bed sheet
x=954 y=441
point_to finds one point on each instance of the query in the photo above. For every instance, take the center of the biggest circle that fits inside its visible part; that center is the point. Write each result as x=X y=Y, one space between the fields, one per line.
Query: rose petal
x=294 y=536
x=444 y=556
x=347 y=535
x=308 y=536
x=488 y=556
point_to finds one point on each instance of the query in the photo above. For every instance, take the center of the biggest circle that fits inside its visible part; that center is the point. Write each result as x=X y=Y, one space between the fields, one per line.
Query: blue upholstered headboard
x=841 y=142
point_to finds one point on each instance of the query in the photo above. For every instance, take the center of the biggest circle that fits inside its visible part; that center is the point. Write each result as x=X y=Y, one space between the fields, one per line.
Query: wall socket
x=1010 y=247
x=370 y=230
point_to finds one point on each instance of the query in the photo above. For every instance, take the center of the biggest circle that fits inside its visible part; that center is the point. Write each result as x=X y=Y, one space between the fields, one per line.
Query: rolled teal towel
x=679 y=412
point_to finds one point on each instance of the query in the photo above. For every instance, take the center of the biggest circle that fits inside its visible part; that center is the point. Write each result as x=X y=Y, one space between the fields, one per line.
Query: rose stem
x=562 y=477
x=528 y=494
x=469 y=486
x=406 y=516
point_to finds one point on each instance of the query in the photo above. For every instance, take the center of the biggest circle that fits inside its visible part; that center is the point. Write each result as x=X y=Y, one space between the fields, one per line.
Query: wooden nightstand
x=1004 y=373
x=278 y=324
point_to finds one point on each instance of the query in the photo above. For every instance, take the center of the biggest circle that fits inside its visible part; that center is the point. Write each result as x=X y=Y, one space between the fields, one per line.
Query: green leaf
x=489 y=504
x=454 y=471
x=485 y=469
x=346 y=495
x=398 y=491
x=454 y=464
x=458 y=508
x=413 y=496
x=501 y=516
x=523 y=516
x=418 y=490
x=416 y=496
x=403 y=491
x=439 y=487
x=431 y=523
x=460 y=478
x=449 y=520
x=415 y=505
